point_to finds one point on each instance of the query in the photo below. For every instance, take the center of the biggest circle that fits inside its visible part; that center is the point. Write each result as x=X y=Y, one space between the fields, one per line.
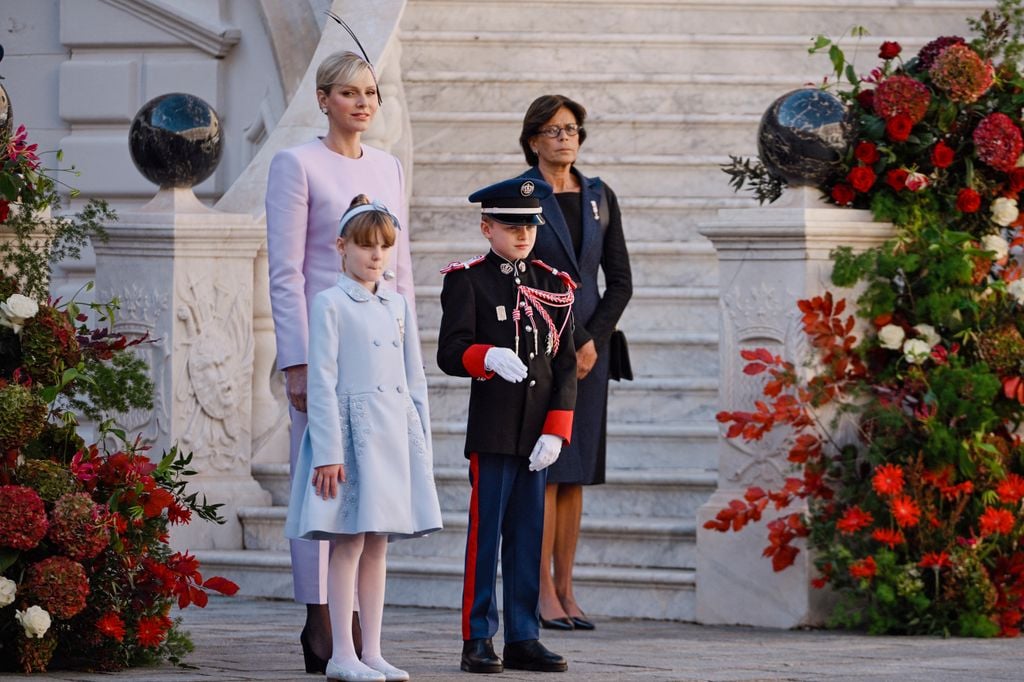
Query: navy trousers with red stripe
x=506 y=510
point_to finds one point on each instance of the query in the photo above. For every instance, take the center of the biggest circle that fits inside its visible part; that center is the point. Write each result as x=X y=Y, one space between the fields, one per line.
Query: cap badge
x=506 y=268
x=526 y=189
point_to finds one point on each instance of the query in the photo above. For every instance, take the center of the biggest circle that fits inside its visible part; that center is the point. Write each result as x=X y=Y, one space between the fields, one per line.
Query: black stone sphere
x=6 y=112
x=175 y=140
x=802 y=136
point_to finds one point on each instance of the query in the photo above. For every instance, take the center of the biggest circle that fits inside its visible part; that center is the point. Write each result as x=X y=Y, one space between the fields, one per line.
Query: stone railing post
x=184 y=273
x=769 y=258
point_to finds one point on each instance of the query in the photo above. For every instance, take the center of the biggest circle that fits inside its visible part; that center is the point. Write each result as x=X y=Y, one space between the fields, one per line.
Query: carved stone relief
x=213 y=386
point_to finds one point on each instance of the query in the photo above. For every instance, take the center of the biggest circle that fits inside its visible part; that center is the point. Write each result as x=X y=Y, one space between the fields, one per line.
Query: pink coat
x=308 y=189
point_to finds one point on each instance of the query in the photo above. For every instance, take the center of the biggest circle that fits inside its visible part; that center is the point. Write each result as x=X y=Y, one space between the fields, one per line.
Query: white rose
x=890 y=336
x=16 y=309
x=996 y=244
x=928 y=334
x=8 y=588
x=35 y=620
x=916 y=351
x=1004 y=211
x=1016 y=289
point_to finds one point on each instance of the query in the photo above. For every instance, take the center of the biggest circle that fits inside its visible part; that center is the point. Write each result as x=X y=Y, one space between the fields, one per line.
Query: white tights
x=364 y=554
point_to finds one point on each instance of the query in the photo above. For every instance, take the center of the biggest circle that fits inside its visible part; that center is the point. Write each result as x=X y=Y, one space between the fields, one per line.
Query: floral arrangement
x=87 y=577
x=916 y=522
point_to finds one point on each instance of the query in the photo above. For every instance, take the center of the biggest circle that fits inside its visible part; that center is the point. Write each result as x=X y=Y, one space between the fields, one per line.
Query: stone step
x=450 y=174
x=640 y=542
x=486 y=132
x=629 y=446
x=653 y=264
x=660 y=219
x=686 y=91
x=630 y=53
x=704 y=16
x=660 y=401
x=650 y=309
x=668 y=493
x=652 y=354
x=607 y=591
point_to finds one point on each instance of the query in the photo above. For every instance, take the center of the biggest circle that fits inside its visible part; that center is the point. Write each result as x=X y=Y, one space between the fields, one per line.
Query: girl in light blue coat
x=365 y=468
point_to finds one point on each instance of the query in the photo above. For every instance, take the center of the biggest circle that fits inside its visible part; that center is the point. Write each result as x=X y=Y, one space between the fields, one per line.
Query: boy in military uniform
x=506 y=323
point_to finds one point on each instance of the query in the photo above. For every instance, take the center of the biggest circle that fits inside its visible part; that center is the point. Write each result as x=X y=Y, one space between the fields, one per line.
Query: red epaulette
x=561 y=274
x=463 y=265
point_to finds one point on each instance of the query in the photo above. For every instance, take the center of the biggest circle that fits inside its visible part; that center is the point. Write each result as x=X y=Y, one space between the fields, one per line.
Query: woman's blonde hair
x=340 y=68
x=372 y=227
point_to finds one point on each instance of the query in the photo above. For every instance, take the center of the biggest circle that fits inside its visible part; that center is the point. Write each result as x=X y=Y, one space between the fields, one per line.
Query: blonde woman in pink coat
x=308 y=189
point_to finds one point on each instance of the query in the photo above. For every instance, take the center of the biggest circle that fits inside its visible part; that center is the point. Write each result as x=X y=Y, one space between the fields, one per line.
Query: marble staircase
x=673 y=87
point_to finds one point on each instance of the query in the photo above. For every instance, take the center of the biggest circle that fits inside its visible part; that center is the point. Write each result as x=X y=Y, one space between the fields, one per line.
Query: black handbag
x=619 y=367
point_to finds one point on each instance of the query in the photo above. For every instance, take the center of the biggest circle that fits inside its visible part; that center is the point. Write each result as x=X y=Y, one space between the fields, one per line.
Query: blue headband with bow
x=366 y=208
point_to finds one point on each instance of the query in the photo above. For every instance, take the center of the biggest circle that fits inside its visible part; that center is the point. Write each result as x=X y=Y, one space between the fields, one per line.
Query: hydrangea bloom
x=962 y=73
x=902 y=95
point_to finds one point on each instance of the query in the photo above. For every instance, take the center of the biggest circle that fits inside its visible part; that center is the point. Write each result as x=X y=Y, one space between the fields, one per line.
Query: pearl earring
x=323 y=110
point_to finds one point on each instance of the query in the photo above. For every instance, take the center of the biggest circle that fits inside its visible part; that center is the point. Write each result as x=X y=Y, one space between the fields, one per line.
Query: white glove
x=505 y=363
x=545 y=452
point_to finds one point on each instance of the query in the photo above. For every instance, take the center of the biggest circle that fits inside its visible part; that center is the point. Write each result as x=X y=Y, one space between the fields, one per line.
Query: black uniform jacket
x=477 y=303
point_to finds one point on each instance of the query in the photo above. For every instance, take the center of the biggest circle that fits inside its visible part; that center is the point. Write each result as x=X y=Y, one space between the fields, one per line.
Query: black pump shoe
x=556 y=623
x=581 y=623
x=478 y=657
x=314 y=664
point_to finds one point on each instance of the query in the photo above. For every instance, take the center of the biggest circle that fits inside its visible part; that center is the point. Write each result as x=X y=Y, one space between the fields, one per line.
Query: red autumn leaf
x=754 y=368
x=761 y=354
x=784 y=557
x=199 y=598
x=720 y=526
x=222 y=585
x=754 y=493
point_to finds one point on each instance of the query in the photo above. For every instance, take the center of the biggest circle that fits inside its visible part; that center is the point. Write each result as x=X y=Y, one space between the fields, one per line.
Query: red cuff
x=473 y=361
x=559 y=423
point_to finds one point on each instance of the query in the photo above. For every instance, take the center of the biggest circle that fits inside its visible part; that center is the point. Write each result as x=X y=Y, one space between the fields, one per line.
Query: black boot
x=478 y=657
x=530 y=654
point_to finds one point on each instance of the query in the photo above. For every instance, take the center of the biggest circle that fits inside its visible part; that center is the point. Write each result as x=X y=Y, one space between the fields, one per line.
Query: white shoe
x=361 y=674
x=391 y=673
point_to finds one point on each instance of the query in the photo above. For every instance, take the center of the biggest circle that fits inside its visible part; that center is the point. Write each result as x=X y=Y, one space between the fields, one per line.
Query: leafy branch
x=753 y=176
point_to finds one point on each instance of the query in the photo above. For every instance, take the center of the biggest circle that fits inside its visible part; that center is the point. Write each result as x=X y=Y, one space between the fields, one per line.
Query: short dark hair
x=540 y=112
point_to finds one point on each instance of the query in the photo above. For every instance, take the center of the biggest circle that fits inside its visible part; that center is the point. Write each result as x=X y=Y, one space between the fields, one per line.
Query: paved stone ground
x=252 y=639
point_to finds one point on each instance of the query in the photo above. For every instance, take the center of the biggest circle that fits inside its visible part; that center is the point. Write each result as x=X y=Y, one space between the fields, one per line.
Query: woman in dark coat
x=583 y=234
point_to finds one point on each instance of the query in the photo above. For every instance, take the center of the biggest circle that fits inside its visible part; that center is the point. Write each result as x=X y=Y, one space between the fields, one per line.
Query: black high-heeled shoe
x=314 y=664
x=556 y=623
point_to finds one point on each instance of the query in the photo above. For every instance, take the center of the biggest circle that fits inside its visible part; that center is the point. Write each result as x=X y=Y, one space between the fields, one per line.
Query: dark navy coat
x=596 y=314
x=477 y=303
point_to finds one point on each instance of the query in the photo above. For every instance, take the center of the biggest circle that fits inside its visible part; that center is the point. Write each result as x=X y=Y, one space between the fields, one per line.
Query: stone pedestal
x=183 y=273
x=769 y=258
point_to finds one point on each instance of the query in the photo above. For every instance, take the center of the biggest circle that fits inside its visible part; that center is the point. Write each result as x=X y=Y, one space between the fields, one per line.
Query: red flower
x=1016 y=180
x=897 y=178
x=942 y=155
x=997 y=142
x=968 y=201
x=994 y=521
x=152 y=630
x=935 y=560
x=178 y=515
x=5 y=210
x=853 y=520
x=865 y=568
x=77 y=526
x=866 y=98
x=843 y=194
x=1012 y=489
x=889 y=50
x=57 y=584
x=888 y=479
x=110 y=625
x=927 y=54
x=902 y=95
x=888 y=537
x=861 y=178
x=905 y=511
x=898 y=127
x=866 y=152
x=962 y=73
x=22 y=517
x=917 y=182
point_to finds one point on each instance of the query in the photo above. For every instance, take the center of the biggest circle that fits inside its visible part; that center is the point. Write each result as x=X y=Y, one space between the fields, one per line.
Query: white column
x=769 y=258
x=184 y=274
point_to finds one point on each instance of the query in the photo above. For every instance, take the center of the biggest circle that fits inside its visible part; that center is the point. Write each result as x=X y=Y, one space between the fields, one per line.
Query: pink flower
x=917 y=182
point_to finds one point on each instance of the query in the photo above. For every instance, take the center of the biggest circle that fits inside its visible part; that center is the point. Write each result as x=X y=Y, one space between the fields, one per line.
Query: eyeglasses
x=572 y=130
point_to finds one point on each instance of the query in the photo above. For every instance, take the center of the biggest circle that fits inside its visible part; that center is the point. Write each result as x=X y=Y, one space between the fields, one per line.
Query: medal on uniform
x=522 y=266
x=502 y=315
x=593 y=207
x=506 y=268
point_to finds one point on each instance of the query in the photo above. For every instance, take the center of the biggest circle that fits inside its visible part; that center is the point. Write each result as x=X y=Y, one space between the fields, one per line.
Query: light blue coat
x=367 y=406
